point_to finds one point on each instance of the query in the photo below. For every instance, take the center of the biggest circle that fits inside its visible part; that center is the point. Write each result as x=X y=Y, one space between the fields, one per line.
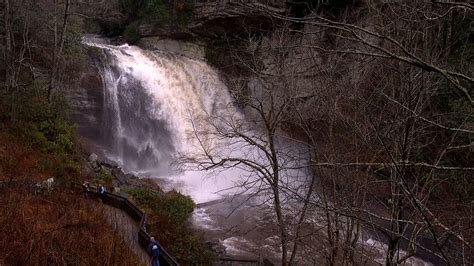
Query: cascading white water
x=149 y=101
x=154 y=103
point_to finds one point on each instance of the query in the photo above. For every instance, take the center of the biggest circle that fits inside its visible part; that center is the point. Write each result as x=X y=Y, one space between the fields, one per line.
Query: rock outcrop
x=111 y=168
x=87 y=100
x=231 y=18
x=184 y=48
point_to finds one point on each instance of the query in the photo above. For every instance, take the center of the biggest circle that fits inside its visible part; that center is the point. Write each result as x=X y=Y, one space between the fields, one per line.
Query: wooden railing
x=144 y=238
x=137 y=215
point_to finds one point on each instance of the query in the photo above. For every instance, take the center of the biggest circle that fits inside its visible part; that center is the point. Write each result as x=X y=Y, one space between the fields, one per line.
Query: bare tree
x=256 y=144
x=394 y=110
x=8 y=45
x=377 y=104
x=58 y=45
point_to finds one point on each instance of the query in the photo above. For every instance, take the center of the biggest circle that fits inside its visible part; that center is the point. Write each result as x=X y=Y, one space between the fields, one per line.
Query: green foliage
x=164 y=12
x=185 y=15
x=157 y=9
x=44 y=126
x=173 y=210
x=131 y=33
x=132 y=8
x=190 y=245
x=177 y=207
x=25 y=111
x=97 y=53
x=151 y=9
x=212 y=56
x=103 y=177
x=74 y=51
x=60 y=165
x=110 y=28
x=146 y=197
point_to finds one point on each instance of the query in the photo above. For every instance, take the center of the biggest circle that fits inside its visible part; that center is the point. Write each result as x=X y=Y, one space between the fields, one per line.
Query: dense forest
x=375 y=99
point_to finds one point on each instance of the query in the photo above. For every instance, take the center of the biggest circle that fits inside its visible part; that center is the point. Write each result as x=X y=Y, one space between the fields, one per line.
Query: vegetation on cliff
x=168 y=15
x=168 y=218
x=60 y=227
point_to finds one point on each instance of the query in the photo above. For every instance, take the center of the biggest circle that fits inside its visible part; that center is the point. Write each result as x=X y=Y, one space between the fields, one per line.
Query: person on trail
x=154 y=251
x=101 y=189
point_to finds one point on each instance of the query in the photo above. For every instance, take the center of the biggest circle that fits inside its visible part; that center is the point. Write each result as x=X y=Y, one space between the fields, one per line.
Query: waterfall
x=149 y=100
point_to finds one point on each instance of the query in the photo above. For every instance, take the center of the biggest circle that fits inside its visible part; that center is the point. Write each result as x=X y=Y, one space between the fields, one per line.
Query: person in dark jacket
x=154 y=251
x=101 y=189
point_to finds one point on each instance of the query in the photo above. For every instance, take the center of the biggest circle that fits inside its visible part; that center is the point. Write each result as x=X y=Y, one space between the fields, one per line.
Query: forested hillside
x=41 y=56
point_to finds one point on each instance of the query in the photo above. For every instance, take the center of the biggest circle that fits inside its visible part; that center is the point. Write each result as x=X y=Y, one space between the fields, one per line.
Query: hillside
x=57 y=228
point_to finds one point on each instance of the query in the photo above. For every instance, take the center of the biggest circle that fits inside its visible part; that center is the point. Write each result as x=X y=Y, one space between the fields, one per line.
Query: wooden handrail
x=136 y=214
x=144 y=237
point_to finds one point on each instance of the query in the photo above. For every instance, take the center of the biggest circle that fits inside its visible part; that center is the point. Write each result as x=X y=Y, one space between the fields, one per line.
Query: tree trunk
x=301 y=219
x=281 y=224
x=276 y=194
x=58 y=49
x=8 y=47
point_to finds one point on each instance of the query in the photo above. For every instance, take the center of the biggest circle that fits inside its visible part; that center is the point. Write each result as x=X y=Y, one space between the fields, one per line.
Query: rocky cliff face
x=194 y=50
x=232 y=18
x=206 y=37
x=87 y=100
